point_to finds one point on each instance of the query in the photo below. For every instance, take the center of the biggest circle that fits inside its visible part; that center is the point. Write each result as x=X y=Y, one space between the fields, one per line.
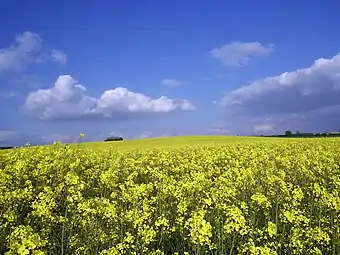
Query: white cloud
x=173 y=83
x=67 y=99
x=26 y=49
x=58 y=56
x=308 y=97
x=239 y=53
x=23 y=51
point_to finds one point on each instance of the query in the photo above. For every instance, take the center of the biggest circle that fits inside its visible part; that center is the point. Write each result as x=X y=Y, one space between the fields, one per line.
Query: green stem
x=232 y=244
x=63 y=233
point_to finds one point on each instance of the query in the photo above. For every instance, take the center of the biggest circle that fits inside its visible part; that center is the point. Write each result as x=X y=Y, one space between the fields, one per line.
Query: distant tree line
x=113 y=138
x=6 y=147
x=289 y=133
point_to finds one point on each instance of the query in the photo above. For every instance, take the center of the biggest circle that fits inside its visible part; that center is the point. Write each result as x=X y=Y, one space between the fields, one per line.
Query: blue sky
x=160 y=68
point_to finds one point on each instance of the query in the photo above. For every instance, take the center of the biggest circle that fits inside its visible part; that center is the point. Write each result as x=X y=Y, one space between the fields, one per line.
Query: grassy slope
x=179 y=141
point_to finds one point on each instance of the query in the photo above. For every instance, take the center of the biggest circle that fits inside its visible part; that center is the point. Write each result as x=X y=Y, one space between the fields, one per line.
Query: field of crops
x=173 y=142
x=250 y=197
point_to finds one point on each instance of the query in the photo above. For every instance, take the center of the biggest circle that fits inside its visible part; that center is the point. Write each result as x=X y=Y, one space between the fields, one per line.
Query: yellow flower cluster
x=256 y=197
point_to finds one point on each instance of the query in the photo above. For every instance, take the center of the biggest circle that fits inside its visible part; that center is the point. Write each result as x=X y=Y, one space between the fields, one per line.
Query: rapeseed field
x=256 y=196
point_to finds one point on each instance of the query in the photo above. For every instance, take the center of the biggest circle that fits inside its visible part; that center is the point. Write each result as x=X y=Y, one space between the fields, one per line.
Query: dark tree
x=288 y=133
x=114 y=138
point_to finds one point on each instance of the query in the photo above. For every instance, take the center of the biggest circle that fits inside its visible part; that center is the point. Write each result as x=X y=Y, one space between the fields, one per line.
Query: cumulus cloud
x=67 y=99
x=173 y=83
x=303 y=96
x=26 y=49
x=240 y=53
x=23 y=51
x=58 y=56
